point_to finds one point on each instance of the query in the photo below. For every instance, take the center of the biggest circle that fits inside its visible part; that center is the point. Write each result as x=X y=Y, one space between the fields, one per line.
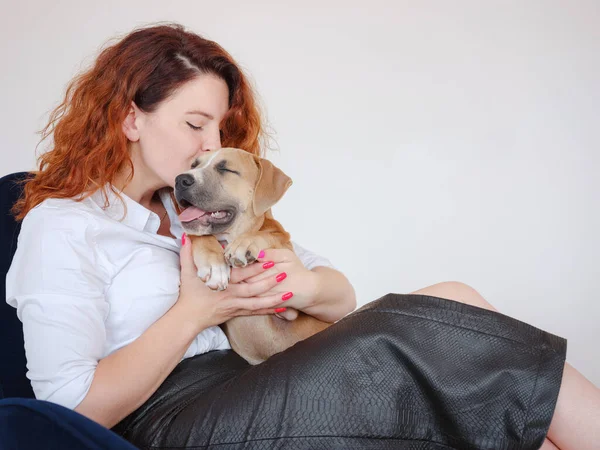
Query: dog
x=226 y=199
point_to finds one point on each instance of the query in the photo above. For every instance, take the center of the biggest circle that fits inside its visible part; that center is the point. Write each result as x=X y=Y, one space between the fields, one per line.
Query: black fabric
x=403 y=372
x=28 y=424
x=13 y=382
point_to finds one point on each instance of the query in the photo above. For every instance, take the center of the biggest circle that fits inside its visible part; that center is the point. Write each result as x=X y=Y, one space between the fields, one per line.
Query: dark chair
x=27 y=423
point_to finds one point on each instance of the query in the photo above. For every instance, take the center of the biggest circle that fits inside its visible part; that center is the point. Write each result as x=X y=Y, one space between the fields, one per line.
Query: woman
x=118 y=327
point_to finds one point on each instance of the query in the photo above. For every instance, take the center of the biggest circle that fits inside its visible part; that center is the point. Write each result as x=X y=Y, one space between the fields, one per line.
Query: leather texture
x=402 y=372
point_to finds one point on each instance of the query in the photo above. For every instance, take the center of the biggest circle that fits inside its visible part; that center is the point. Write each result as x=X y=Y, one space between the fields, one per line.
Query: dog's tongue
x=191 y=213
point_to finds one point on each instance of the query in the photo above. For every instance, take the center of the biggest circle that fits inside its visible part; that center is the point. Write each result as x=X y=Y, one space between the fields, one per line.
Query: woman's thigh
x=456 y=291
x=404 y=372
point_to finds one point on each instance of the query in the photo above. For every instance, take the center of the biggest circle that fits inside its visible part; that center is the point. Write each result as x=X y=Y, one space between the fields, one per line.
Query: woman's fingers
x=186 y=258
x=257 y=305
x=269 y=311
x=257 y=287
x=277 y=255
x=262 y=276
x=267 y=260
x=239 y=274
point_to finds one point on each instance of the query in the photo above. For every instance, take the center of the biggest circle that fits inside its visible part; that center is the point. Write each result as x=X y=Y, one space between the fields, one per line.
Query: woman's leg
x=402 y=372
x=548 y=445
x=576 y=417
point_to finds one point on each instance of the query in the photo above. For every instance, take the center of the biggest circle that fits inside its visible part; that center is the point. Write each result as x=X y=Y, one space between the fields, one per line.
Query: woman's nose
x=213 y=141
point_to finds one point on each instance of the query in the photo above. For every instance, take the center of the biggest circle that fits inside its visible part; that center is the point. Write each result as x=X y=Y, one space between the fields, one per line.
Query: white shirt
x=86 y=284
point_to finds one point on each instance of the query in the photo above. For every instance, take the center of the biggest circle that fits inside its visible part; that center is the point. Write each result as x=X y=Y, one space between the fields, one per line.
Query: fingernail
x=278 y=310
x=281 y=277
x=261 y=254
x=268 y=265
x=287 y=296
x=183 y=239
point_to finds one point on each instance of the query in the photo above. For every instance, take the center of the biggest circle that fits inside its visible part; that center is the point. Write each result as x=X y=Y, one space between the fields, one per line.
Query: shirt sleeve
x=56 y=282
x=310 y=259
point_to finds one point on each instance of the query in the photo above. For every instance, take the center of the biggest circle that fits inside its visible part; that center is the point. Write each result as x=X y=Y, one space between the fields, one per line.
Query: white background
x=428 y=141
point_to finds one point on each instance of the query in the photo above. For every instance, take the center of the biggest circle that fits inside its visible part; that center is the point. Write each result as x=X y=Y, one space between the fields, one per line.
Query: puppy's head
x=227 y=191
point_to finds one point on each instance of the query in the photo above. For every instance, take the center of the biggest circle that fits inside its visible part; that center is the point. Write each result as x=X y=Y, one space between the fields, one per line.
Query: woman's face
x=165 y=143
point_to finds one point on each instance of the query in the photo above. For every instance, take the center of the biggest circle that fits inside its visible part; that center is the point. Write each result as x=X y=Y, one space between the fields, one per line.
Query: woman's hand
x=298 y=284
x=205 y=308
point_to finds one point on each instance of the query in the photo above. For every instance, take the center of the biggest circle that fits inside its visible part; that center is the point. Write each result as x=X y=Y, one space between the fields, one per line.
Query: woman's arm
x=334 y=297
x=58 y=284
x=319 y=290
x=124 y=380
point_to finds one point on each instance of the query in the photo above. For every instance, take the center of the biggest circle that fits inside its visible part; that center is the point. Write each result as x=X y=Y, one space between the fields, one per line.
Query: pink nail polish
x=261 y=254
x=278 y=310
x=183 y=239
x=287 y=296
x=282 y=276
x=268 y=265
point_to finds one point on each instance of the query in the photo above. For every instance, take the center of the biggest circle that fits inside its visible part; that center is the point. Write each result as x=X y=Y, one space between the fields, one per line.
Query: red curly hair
x=146 y=66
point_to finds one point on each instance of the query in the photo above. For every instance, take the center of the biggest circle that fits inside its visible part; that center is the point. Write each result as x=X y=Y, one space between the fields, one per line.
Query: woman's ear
x=130 y=124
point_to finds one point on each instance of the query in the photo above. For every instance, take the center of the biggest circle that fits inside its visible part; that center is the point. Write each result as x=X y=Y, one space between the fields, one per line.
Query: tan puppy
x=227 y=196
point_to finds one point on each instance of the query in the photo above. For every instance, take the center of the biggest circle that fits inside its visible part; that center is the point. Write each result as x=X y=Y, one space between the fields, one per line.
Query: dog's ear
x=272 y=183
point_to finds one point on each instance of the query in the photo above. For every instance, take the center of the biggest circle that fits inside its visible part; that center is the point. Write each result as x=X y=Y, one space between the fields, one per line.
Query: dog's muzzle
x=199 y=208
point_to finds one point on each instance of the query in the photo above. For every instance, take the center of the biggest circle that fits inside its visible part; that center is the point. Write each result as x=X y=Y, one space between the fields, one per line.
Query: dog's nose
x=184 y=181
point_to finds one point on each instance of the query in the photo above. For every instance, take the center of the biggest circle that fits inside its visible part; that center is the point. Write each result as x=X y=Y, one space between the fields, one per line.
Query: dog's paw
x=214 y=271
x=242 y=251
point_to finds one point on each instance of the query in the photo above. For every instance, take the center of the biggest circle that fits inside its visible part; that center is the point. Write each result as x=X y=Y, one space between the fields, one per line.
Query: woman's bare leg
x=576 y=417
x=548 y=445
x=576 y=421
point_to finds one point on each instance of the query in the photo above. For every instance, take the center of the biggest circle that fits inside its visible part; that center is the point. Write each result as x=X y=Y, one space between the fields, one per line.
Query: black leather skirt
x=402 y=372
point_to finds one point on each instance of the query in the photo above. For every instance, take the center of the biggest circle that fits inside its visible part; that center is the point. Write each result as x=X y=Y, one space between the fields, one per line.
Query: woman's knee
x=457 y=291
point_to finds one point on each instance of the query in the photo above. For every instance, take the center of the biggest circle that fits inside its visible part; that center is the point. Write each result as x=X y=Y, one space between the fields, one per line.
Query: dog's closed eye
x=221 y=167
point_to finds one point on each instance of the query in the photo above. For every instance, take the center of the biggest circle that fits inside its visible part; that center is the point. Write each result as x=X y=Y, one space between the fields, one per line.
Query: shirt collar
x=168 y=202
x=127 y=211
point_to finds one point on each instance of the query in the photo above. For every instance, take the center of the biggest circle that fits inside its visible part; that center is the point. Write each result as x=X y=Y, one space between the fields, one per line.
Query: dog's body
x=228 y=196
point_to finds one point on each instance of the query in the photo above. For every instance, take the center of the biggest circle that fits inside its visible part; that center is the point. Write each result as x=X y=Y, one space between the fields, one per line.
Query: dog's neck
x=227 y=237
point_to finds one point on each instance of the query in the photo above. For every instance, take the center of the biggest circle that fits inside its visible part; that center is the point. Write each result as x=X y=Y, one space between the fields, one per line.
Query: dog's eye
x=229 y=170
x=222 y=167
x=195 y=164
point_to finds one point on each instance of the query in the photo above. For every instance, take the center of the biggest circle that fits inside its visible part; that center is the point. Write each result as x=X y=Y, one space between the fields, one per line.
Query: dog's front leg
x=210 y=262
x=244 y=249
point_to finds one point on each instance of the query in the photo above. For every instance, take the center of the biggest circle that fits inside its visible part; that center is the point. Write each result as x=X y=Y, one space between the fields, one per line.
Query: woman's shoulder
x=64 y=211
x=61 y=216
x=58 y=237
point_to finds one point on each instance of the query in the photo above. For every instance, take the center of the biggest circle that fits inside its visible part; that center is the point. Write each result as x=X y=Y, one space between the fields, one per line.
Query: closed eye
x=193 y=127
x=222 y=167
x=229 y=170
